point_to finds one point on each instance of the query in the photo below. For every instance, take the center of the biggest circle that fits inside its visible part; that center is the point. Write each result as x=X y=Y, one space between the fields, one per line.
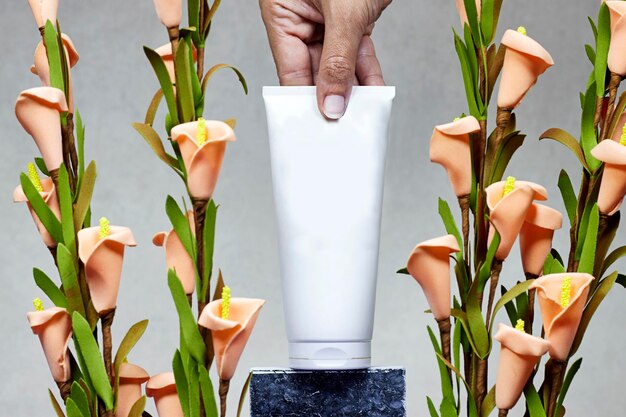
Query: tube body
x=328 y=186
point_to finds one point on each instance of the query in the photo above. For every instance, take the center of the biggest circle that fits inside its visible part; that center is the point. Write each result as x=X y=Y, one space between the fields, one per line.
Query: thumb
x=337 y=64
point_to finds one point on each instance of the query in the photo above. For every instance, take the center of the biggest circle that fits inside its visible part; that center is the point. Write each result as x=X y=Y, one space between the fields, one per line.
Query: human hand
x=325 y=43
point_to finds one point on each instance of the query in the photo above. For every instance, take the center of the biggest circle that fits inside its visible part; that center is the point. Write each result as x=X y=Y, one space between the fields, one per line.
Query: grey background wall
x=113 y=86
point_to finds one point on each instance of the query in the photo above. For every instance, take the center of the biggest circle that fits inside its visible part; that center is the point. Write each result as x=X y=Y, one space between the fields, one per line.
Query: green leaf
x=193 y=14
x=485 y=270
x=594 y=28
x=533 y=402
x=182 y=385
x=152 y=138
x=591 y=53
x=569 y=196
x=43 y=212
x=218 y=67
x=509 y=296
x=138 y=408
x=184 y=90
x=612 y=258
x=446 y=383
x=594 y=302
x=449 y=222
x=84 y=195
x=209 y=244
x=588 y=254
x=80 y=143
x=49 y=288
x=54 y=56
x=153 y=107
x=472 y=19
x=67 y=215
x=69 y=279
x=489 y=403
x=619 y=110
x=72 y=409
x=208 y=394
x=55 y=405
x=93 y=360
x=568 y=140
x=505 y=152
x=79 y=396
x=468 y=82
x=194 y=388
x=476 y=323
x=180 y=223
x=126 y=345
x=602 y=49
x=188 y=326
x=242 y=397
x=473 y=411
x=41 y=165
x=571 y=373
x=448 y=408
x=404 y=271
x=588 y=138
x=487 y=20
x=431 y=408
x=164 y=80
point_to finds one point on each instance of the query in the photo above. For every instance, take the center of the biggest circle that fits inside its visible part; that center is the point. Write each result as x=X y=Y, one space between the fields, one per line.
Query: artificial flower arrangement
x=568 y=290
x=57 y=189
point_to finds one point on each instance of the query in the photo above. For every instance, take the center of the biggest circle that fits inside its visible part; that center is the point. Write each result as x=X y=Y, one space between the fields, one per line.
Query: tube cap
x=330 y=355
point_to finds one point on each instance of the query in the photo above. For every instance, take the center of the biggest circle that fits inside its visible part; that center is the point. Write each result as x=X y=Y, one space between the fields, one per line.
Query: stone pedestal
x=373 y=392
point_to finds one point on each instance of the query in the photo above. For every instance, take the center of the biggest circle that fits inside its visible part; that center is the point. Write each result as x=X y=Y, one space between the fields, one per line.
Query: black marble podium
x=372 y=392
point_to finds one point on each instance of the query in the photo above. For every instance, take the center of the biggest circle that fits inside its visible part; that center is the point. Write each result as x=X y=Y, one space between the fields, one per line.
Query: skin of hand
x=324 y=43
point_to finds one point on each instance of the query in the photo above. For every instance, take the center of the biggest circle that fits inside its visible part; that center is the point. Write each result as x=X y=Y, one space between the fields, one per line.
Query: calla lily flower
x=54 y=328
x=132 y=377
x=619 y=128
x=524 y=61
x=38 y=111
x=617 y=49
x=613 y=186
x=162 y=387
x=535 y=239
x=429 y=265
x=47 y=191
x=102 y=251
x=177 y=257
x=460 y=6
x=230 y=334
x=165 y=51
x=44 y=10
x=519 y=353
x=562 y=299
x=203 y=151
x=170 y=12
x=450 y=147
x=41 y=66
x=508 y=209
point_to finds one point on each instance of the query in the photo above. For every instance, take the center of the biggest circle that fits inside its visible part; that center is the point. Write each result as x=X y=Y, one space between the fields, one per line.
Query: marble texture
x=373 y=392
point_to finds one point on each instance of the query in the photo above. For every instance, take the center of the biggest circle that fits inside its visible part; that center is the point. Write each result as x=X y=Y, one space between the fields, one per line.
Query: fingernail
x=334 y=106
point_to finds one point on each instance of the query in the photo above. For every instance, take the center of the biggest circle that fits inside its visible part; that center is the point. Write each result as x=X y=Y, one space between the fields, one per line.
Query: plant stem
x=444 y=333
x=200 y=58
x=503 y=413
x=107 y=344
x=556 y=381
x=598 y=113
x=530 y=314
x=614 y=83
x=496 y=268
x=223 y=391
x=65 y=389
x=464 y=203
x=173 y=33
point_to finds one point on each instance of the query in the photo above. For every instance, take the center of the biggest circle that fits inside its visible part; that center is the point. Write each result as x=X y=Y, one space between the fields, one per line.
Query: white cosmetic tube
x=328 y=187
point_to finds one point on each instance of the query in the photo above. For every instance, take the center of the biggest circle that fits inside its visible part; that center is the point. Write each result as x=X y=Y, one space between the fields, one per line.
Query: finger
x=368 y=69
x=337 y=66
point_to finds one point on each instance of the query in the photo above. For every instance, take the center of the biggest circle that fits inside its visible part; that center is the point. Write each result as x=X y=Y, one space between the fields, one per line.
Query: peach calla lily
x=170 y=12
x=617 y=49
x=177 y=257
x=103 y=256
x=44 y=10
x=38 y=110
x=230 y=335
x=41 y=66
x=132 y=377
x=519 y=353
x=613 y=186
x=202 y=155
x=535 y=238
x=460 y=6
x=429 y=265
x=450 y=147
x=562 y=299
x=165 y=51
x=524 y=61
x=49 y=196
x=162 y=387
x=54 y=328
x=508 y=211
